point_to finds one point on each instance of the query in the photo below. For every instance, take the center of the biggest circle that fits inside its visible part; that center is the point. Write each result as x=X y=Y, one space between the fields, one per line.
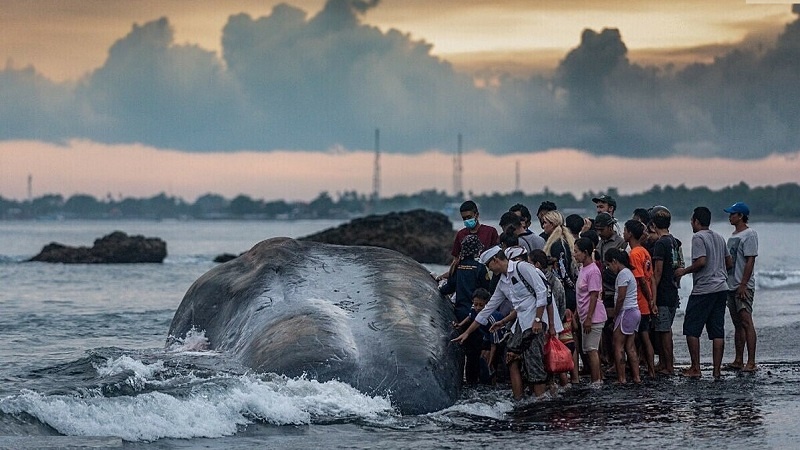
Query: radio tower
x=376 y=171
x=458 y=170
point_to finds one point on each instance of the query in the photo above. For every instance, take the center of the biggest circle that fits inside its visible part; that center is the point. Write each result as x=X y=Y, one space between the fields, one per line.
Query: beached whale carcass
x=367 y=316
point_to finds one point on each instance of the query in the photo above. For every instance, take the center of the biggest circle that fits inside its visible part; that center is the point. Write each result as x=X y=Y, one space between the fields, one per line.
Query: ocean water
x=83 y=363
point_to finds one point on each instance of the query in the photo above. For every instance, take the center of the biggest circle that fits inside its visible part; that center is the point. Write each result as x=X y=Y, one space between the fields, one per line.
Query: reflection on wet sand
x=730 y=412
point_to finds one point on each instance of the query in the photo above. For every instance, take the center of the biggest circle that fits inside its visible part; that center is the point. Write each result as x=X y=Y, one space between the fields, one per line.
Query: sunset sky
x=187 y=97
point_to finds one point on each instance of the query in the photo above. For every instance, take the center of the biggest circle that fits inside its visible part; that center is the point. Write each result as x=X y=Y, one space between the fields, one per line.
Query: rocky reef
x=115 y=248
x=425 y=236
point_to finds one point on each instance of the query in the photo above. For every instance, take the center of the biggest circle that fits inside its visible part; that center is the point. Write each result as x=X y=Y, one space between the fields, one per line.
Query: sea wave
x=778 y=279
x=213 y=407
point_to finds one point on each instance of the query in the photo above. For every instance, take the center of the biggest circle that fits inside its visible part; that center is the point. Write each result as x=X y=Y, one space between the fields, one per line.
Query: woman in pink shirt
x=592 y=318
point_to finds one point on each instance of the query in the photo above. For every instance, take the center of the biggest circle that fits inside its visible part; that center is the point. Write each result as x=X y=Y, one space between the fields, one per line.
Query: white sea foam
x=212 y=409
x=778 y=279
x=496 y=410
x=195 y=341
x=124 y=363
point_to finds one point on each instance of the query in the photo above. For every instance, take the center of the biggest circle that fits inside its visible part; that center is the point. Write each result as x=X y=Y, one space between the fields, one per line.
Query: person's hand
x=551 y=329
x=537 y=327
x=455 y=324
x=461 y=338
x=741 y=291
x=496 y=326
x=587 y=225
x=679 y=272
x=587 y=325
x=511 y=357
x=654 y=309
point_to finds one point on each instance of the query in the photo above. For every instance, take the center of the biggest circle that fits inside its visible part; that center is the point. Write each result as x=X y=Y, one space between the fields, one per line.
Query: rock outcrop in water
x=425 y=236
x=115 y=248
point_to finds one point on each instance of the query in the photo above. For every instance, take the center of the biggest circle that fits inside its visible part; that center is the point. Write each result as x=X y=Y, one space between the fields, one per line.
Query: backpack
x=677 y=254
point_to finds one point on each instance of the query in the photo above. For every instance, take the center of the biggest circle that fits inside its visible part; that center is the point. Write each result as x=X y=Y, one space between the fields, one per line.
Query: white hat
x=515 y=251
x=489 y=254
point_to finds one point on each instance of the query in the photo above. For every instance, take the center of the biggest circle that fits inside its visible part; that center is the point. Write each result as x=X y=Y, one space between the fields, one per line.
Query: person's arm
x=696 y=265
x=749 y=265
x=532 y=274
x=449 y=287
x=512 y=316
x=551 y=328
x=483 y=317
x=658 y=269
x=450 y=270
x=587 y=323
x=463 y=336
x=463 y=322
x=484 y=280
x=622 y=291
x=644 y=286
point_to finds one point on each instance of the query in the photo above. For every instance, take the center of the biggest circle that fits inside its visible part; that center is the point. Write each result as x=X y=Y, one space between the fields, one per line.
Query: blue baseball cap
x=738 y=207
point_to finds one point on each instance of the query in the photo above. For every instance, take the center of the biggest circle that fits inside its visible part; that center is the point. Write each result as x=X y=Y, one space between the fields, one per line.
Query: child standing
x=626 y=314
x=592 y=316
x=491 y=340
x=469 y=275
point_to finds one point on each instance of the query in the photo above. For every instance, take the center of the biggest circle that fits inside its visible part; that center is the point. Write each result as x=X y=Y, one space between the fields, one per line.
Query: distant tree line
x=781 y=202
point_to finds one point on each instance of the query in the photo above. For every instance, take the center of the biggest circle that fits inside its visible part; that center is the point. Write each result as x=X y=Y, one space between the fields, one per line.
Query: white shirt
x=625 y=278
x=511 y=288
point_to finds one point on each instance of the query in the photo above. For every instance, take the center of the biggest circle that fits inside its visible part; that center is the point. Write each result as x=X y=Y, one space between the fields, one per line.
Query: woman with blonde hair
x=559 y=245
x=560 y=242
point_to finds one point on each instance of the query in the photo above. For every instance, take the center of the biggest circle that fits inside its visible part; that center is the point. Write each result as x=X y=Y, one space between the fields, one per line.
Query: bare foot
x=692 y=373
x=750 y=367
x=733 y=366
x=637 y=381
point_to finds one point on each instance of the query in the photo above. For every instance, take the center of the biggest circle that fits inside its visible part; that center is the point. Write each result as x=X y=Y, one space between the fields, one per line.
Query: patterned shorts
x=530 y=346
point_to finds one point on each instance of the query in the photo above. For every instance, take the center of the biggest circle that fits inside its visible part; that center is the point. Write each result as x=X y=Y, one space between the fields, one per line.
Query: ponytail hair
x=560 y=231
x=615 y=254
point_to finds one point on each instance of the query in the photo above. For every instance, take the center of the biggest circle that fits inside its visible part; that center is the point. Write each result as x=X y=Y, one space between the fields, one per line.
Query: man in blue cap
x=743 y=248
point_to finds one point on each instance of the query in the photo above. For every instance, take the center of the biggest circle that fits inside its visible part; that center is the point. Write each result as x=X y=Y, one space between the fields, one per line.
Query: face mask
x=471 y=223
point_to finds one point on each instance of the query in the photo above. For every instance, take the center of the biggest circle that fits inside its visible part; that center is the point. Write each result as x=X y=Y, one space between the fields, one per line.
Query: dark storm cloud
x=292 y=82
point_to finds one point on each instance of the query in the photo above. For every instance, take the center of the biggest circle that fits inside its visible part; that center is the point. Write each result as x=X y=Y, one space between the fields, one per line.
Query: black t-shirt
x=667 y=288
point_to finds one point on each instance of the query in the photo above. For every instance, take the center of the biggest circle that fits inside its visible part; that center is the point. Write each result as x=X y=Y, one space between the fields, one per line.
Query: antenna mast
x=376 y=171
x=458 y=170
x=516 y=178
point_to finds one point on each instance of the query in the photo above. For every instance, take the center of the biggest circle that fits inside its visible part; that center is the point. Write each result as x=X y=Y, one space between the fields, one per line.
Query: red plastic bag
x=557 y=357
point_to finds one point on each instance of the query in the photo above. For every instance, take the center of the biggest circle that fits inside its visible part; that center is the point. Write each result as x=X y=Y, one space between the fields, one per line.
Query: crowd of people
x=607 y=288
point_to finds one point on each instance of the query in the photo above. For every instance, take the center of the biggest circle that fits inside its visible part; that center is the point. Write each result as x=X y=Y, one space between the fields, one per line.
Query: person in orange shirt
x=642 y=268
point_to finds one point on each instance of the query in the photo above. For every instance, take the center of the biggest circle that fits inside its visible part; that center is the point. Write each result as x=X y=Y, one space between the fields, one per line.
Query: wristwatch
x=537 y=320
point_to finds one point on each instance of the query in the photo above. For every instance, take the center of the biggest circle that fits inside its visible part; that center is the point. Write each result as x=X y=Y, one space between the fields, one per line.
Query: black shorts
x=644 y=324
x=706 y=310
